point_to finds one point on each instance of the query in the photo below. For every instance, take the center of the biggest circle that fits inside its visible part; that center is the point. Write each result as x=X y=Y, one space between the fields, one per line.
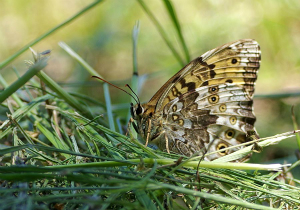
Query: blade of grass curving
x=52 y=137
x=176 y=23
x=263 y=142
x=17 y=125
x=79 y=59
x=14 y=95
x=25 y=87
x=82 y=62
x=12 y=149
x=23 y=49
x=119 y=125
x=208 y=196
x=162 y=32
x=32 y=71
x=192 y=164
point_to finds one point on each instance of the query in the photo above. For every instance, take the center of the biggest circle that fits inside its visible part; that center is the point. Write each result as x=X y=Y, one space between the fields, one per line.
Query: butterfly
x=206 y=106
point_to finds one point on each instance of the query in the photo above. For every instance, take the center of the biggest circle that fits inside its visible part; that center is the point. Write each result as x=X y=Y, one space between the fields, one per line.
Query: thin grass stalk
x=87 y=67
x=192 y=164
x=162 y=32
x=108 y=107
x=173 y=16
x=135 y=78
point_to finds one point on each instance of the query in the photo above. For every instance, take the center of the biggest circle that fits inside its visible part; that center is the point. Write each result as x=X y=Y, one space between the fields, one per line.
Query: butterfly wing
x=236 y=62
x=208 y=104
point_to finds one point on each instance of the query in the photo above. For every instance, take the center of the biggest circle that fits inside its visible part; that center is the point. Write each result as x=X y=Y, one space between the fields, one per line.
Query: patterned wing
x=236 y=62
x=208 y=104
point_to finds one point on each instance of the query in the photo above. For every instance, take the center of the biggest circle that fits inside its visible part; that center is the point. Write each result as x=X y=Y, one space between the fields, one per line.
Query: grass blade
x=32 y=71
x=175 y=21
x=162 y=32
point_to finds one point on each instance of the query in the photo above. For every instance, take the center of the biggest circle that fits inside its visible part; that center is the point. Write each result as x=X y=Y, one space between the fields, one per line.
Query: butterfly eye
x=222 y=146
x=139 y=110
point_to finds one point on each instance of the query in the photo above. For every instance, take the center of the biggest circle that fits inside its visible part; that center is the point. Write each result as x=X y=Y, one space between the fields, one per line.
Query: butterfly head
x=136 y=110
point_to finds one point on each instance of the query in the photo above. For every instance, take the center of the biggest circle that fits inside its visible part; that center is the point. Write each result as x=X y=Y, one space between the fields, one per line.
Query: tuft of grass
x=60 y=155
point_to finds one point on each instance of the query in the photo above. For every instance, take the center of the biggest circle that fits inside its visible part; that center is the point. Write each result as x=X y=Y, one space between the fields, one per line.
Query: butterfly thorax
x=148 y=123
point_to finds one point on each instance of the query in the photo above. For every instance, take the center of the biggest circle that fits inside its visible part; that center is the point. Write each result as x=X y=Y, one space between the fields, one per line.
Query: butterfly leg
x=148 y=132
x=167 y=143
x=131 y=122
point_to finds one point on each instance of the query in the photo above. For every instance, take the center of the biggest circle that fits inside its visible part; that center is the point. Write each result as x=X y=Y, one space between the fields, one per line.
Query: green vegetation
x=62 y=149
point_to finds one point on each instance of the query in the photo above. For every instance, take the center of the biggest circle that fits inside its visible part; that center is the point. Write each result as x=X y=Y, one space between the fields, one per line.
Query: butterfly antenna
x=137 y=101
x=133 y=93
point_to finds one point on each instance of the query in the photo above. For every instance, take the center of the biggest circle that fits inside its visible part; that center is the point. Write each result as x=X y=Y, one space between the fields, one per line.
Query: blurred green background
x=103 y=37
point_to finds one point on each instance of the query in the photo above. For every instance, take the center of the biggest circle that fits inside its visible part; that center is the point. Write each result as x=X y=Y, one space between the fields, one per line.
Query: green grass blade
x=52 y=137
x=176 y=23
x=79 y=59
x=162 y=32
x=82 y=62
x=14 y=95
x=109 y=107
x=32 y=71
x=135 y=78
